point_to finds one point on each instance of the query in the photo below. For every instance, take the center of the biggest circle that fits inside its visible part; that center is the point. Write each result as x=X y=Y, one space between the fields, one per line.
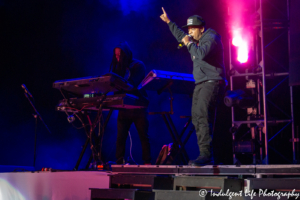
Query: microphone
x=181 y=44
x=26 y=90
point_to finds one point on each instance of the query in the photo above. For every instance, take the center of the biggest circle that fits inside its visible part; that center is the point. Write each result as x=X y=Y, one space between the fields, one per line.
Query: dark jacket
x=207 y=57
x=131 y=69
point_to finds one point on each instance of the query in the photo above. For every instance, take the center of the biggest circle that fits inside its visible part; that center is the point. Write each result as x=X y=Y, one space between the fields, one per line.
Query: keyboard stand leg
x=176 y=141
x=181 y=145
x=81 y=154
x=87 y=142
x=100 y=139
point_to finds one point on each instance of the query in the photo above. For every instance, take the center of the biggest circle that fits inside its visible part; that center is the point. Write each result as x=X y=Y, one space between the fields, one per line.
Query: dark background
x=45 y=41
x=295 y=32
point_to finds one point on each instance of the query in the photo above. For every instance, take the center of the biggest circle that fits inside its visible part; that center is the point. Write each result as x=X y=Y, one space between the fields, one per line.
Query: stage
x=150 y=182
x=63 y=185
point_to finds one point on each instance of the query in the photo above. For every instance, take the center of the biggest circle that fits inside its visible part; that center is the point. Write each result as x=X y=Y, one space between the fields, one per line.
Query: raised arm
x=176 y=31
x=164 y=16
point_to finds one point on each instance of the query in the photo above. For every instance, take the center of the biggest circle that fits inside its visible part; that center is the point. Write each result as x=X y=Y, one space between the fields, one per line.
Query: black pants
x=206 y=97
x=140 y=119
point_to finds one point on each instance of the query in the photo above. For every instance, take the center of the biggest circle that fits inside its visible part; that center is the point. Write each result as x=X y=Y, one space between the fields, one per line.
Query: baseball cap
x=195 y=20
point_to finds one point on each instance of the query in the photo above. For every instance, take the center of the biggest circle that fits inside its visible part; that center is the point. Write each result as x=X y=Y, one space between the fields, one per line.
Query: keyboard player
x=132 y=70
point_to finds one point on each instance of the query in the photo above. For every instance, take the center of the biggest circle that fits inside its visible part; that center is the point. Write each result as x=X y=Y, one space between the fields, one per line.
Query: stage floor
x=75 y=185
x=70 y=185
x=209 y=169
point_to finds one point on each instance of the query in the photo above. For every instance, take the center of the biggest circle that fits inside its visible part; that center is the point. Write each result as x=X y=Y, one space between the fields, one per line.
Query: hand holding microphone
x=185 y=41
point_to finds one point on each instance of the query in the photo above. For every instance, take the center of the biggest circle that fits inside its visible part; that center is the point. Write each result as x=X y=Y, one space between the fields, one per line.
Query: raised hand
x=164 y=16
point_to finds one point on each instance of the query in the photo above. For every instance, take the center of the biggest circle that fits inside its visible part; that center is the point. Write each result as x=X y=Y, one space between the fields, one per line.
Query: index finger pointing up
x=163 y=10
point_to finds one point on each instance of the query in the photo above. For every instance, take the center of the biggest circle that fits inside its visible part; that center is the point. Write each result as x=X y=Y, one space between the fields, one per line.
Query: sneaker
x=200 y=161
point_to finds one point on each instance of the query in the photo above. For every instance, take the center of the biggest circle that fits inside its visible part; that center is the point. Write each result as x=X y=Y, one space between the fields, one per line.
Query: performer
x=134 y=71
x=206 y=51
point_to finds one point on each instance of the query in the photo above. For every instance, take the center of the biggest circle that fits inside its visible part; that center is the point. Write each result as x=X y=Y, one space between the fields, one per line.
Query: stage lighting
x=243 y=52
x=241 y=44
x=242 y=98
x=241 y=59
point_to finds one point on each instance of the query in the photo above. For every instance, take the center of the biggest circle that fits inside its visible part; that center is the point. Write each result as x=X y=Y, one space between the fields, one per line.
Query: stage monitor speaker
x=294 y=68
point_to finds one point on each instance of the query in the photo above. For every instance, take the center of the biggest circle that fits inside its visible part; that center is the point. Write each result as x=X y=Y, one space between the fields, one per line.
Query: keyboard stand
x=178 y=144
x=99 y=144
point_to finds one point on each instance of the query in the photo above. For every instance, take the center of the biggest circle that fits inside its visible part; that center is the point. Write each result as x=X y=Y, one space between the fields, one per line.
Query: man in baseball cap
x=206 y=49
x=195 y=20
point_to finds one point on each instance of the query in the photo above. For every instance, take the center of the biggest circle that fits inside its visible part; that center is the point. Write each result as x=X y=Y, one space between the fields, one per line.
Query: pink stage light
x=242 y=46
x=239 y=27
x=237 y=38
x=243 y=52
